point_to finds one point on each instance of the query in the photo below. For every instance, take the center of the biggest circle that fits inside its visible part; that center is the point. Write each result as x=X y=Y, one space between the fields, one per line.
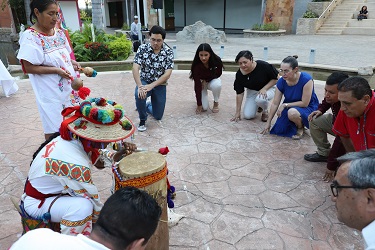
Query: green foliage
x=310 y=14
x=125 y=26
x=105 y=47
x=266 y=27
x=85 y=15
x=120 y=48
x=86 y=36
x=81 y=53
x=98 y=51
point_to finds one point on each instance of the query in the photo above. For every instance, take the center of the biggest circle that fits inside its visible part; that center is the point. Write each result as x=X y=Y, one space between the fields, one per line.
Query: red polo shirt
x=360 y=130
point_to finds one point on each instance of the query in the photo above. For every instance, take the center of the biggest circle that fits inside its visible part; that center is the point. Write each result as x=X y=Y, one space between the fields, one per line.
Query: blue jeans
x=158 y=99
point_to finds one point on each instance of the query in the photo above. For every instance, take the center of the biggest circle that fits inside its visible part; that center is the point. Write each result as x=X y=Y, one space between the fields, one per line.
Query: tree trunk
x=27 y=11
x=97 y=14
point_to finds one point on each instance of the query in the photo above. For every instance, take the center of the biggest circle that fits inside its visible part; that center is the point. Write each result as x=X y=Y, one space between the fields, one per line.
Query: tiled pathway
x=237 y=188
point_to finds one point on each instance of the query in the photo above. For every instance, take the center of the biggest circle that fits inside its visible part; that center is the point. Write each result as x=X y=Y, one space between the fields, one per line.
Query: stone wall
x=282 y=13
x=8 y=46
x=318 y=7
x=306 y=26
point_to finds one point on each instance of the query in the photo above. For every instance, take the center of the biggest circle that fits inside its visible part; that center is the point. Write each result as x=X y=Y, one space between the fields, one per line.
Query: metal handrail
x=326 y=13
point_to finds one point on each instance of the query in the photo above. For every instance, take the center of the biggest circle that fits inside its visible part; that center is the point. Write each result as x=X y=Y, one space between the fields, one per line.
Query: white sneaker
x=142 y=128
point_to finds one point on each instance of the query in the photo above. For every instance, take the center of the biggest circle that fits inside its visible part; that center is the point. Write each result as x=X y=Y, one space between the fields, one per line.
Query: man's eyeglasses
x=335 y=186
x=156 y=40
x=284 y=72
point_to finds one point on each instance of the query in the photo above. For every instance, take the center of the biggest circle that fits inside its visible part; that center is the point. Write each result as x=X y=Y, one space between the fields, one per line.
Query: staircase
x=343 y=19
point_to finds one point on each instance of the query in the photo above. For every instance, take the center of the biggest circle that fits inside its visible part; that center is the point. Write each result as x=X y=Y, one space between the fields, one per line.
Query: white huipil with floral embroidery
x=53 y=93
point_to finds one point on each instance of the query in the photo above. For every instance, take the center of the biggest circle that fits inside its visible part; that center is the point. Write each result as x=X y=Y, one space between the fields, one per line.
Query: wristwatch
x=286 y=105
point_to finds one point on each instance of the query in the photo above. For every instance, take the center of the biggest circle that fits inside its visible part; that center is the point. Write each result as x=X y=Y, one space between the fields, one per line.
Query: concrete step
x=323 y=29
x=336 y=23
x=366 y=23
x=337 y=26
x=358 y=31
x=338 y=32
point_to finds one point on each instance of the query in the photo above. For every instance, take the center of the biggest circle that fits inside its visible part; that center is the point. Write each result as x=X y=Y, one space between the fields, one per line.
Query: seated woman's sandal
x=299 y=134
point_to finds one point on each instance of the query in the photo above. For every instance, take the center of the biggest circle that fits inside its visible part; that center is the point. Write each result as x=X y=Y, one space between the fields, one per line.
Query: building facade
x=227 y=15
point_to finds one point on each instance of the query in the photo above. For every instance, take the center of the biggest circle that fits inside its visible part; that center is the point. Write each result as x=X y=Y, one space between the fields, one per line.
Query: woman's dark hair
x=244 y=53
x=41 y=5
x=157 y=30
x=213 y=61
x=364 y=6
x=291 y=60
x=53 y=136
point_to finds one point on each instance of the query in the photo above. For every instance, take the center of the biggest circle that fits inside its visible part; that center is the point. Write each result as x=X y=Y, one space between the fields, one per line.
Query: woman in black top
x=362 y=13
x=259 y=79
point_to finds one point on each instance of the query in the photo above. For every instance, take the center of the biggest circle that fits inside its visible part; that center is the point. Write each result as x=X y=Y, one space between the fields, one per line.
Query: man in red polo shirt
x=355 y=123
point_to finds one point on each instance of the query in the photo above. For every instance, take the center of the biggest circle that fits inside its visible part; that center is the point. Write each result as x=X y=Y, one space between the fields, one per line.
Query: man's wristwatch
x=286 y=105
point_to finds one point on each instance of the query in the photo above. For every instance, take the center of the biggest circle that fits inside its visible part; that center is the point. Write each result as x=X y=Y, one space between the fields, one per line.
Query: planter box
x=306 y=26
x=318 y=7
x=260 y=33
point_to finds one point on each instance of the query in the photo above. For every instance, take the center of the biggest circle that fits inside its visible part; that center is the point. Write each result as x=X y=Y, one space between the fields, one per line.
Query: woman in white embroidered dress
x=45 y=56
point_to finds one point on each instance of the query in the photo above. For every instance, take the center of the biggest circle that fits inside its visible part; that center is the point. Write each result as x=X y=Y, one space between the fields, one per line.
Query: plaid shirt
x=153 y=66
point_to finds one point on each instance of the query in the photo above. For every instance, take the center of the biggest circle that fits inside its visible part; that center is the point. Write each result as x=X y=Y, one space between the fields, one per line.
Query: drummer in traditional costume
x=62 y=165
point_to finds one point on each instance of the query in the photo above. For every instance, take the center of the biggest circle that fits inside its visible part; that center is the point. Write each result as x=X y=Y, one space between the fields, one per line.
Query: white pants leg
x=215 y=87
x=250 y=107
x=264 y=102
x=73 y=213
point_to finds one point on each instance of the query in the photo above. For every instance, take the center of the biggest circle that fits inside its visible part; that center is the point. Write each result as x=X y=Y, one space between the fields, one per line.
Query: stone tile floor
x=236 y=188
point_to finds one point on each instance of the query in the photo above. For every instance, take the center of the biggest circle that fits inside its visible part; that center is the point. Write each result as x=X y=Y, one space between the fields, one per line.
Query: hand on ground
x=236 y=118
x=328 y=176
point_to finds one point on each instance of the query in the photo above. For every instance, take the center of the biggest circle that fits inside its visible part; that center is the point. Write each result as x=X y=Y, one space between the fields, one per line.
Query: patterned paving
x=237 y=189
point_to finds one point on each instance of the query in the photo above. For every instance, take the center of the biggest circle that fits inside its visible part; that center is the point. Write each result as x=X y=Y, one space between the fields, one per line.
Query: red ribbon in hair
x=64 y=131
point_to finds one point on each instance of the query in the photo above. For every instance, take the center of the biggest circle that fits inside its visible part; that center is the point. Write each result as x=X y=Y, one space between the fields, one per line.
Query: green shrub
x=81 y=53
x=85 y=16
x=310 y=14
x=120 y=48
x=125 y=26
x=98 y=51
x=85 y=36
x=266 y=27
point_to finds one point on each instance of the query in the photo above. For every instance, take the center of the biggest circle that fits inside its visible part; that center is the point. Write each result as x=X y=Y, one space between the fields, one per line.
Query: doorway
x=116 y=17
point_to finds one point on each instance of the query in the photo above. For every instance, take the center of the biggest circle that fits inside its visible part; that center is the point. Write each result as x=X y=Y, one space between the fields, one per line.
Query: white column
x=145 y=12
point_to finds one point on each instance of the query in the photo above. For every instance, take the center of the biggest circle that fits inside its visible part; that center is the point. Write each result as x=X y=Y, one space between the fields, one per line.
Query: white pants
x=253 y=101
x=73 y=213
x=215 y=87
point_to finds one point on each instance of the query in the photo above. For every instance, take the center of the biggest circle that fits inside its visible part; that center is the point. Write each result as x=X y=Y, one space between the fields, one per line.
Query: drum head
x=141 y=164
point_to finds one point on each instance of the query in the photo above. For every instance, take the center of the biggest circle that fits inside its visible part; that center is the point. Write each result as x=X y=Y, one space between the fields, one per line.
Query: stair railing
x=323 y=17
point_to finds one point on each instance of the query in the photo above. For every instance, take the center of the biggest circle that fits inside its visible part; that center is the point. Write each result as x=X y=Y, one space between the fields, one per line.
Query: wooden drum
x=148 y=171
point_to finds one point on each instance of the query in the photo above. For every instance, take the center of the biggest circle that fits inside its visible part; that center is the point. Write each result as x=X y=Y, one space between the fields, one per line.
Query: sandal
x=264 y=117
x=299 y=134
x=215 y=108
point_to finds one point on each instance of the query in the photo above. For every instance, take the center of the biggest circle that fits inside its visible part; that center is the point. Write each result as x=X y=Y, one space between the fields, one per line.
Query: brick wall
x=5 y=18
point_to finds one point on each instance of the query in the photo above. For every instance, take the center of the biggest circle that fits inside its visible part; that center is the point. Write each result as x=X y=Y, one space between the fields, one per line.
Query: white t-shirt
x=46 y=239
x=368 y=234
